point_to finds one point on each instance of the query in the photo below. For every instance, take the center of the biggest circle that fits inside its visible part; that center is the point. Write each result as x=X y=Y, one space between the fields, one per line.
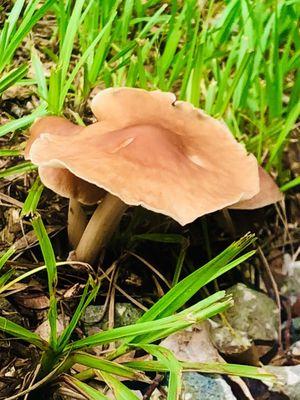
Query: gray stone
x=253 y=312
x=228 y=340
x=291 y=284
x=205 y=387
x=287 y=380
x=296 y=323
x=92 y=315
x=125 y=314
x=253 y=316
x=295 y=349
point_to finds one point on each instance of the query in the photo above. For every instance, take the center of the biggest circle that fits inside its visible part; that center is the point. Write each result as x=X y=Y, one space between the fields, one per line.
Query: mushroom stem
x=100 y=228
x=77 y=222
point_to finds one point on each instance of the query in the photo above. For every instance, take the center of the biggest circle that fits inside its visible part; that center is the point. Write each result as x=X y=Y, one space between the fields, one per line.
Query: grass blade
x=85 y=300
x=32 y=199
x=6 y=256
x=6 y=277
x=39 y=74
x=10 y=153
x=21 y=333
x=121 y=392
x=50 y=263
x=101 y=364
x=244 y=371
x=186 y=288
x=167 y=358
x=88 y=391
x=13 y=77
x=17 y=169
x=288 y=126
x=202 y=310
x=293 y=183
x=21 y=123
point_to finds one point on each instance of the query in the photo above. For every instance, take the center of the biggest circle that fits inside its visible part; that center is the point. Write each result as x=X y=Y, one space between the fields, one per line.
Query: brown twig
x=276 y=292
x=154 y=385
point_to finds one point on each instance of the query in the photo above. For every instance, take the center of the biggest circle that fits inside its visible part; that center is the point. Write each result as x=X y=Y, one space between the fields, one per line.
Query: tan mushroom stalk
x=149 y=149
x=77 y=222
x=100 y=228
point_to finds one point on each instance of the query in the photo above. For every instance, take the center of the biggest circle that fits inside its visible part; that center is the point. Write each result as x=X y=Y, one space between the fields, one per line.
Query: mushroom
x=147 y=149
x=268 y=193
x=61 y=180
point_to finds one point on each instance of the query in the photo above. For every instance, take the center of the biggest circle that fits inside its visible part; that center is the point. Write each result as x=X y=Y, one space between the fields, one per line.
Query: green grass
x=21 y=19
x=17 y=169
x=50 y=262
x=166 y=316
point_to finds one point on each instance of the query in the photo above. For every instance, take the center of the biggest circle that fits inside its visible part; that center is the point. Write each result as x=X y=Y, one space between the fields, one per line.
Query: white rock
x=287 y=380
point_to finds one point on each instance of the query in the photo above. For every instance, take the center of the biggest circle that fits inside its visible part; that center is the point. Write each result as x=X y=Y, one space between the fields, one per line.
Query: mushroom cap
x=61 y=180
x=51 y=124
x=151 y=150
x=269 y=193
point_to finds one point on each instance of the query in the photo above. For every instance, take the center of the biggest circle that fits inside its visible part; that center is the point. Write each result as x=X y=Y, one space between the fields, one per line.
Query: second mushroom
x=146 y=149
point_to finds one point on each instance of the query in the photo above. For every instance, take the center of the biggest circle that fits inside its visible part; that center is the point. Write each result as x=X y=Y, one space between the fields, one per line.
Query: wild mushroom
x=149 y=149
x=61 y=180
x=268 y=193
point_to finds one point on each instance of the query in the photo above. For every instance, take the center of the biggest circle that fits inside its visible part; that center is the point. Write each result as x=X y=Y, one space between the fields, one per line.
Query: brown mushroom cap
x=151 y=150
x=269 y=193
x=53 y=125
x=61 y=180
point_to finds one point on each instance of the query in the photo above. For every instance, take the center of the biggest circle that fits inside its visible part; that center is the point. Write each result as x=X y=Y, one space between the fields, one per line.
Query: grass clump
x=61 y=352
